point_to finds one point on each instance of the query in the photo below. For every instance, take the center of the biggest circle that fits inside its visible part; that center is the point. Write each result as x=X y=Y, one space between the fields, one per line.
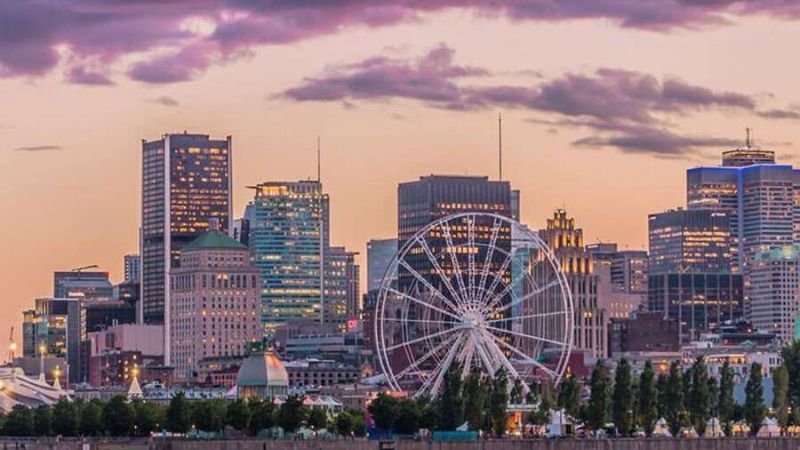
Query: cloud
x=195 y=34
x=165 y=100
x=80 y=75
x=792 y=114
x=39 y=148
x=624 y=109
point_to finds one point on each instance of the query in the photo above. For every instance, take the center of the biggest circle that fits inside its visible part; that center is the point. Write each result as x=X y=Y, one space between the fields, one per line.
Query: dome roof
x=262 y=369
x=214 y=239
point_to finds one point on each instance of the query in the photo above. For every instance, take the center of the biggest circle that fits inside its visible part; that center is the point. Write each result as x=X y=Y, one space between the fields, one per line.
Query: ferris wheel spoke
x=536 y=291
x=430 y=287
x=404 y=320
x=424 y=338
x=497 y=278
x=528 y=316
x=526 y=336
x=482 y=355
x=446 y=365
x=489 y=254
x=439 y=271
x=426 y=356
x=471 y=256
x=525 y=358
x=466 y=359
x=493 y=340
x=499 y=297
x=451 y=249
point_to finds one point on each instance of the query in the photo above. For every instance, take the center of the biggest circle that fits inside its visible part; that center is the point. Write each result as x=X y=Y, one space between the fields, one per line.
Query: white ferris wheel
x=478 y=290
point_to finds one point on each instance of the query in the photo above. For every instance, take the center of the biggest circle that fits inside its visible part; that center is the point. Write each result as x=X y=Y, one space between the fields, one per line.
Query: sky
x=605 y=104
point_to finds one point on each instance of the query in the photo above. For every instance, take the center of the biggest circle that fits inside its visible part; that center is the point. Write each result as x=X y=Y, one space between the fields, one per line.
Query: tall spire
x=500 y=144
x=747 y=138
x=319 y=162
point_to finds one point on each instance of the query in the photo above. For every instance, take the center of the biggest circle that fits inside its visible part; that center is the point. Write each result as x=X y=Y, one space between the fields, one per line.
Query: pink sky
x=604 y=108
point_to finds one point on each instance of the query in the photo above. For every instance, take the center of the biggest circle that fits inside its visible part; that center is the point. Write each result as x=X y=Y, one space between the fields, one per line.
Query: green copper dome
x=214 y=239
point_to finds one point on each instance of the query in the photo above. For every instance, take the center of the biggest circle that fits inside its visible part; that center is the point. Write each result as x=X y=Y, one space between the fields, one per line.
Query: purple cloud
x=165 y=100
x=80 y=75
x=39 y=148
x=105 y=31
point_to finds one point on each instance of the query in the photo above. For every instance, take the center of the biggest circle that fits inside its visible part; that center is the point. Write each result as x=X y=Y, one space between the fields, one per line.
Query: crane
x=81 y=269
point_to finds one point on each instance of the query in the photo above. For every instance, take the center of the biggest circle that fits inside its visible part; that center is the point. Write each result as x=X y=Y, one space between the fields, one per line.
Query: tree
x=516 y=396
x=791 y=358
x=541 y=415
x=672 y=400
x=147 y=417
x=661 y=390
x=475 y=399
x=622 y=403
x=598 y=399
x=754 y=410
x=726 y=401
x=451 y=400
x=780 y=395
x=498 y=402
x=318 y=419
x=430 y=413
x=238 y=414
x=262 y=415
x=713 y=397
x=358 y=424
x=118 y=416
x=383 y=410
x=408 y=416
x=208 y=415
x=65 y=418
x=699 y=397
x=292 y=413
x=19 y=422
x=569 y=395
x=647 y=400
x=43 y=421
x=91 y=418
x=178 y=414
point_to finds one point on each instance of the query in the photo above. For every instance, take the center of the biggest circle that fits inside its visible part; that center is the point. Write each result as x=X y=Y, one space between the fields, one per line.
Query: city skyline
x=72 y=186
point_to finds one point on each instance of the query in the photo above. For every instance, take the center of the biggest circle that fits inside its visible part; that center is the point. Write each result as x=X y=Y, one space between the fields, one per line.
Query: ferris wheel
x=476 y=291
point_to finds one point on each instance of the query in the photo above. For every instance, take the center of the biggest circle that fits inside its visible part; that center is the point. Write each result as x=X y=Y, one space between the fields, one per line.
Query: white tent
x=134 y=391
x=560 y=423
x=713 y=429
x=661 y=429
x=769 y=428
x=689 y=432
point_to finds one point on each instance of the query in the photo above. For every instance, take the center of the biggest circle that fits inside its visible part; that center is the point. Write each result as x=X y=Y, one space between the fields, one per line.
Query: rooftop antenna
x=747 y=138
x=319 y=165
x=500 y=143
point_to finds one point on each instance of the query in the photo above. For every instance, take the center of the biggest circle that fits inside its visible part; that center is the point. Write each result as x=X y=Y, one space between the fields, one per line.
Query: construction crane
x=81 y=269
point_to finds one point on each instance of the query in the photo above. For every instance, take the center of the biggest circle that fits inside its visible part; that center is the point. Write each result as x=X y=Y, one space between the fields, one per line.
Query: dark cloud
x=165 y=100
x=39 y=148
x=106 y=30
x=80 y=75
x=792 y=114
x=655 y=141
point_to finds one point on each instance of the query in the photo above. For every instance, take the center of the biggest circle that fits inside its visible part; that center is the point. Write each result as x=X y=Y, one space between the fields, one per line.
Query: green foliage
x=343 y=422
x=661 y=390
x=430 y=413
x=647 y=400
x=476 y=396
x=43 y=421
x=713 y=397
x=599 y=401
x=541 y=415
x=292 y=413
x=408 y=416
x=91 y=418
x=516 y=396
x=672 y=399
x=262 y=415
x=318 y=419
x=147 y=417
x=569 y=395
x=451 y=400
x=791 y=358
x=780 y=395
x=19 y=422
x=498 y=402
x=622 y=402
x=238 y=415
x=699 y=397
x=754 y=410
x=208 y=415
x=118 y=416
x=383 y=410
x=65 y=418
x=726 y=402
x=178 y=414
x=358 y=423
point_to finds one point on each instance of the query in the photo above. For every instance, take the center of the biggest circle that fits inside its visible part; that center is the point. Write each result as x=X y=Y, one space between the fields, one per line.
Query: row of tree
x=119 y=417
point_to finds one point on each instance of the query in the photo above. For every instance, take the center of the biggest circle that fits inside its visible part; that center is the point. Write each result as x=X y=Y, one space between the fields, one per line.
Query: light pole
x=42 y=351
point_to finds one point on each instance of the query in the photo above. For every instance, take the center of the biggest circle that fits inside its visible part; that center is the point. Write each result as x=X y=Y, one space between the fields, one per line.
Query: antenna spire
x=747 y=138
x=319 y=164
x=500 y=144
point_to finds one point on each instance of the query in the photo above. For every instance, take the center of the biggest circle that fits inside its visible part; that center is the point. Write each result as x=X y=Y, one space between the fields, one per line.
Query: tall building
x=341 y=298
x=379 y=256
x=761 y=198
x=590 y=315
x=623 y=278
x=186 y=182
x=775 y=291
x=82 y=285
x=57 y=327
x=132 y=268
x=215 y=303
x=288 y=235
x=689 y=275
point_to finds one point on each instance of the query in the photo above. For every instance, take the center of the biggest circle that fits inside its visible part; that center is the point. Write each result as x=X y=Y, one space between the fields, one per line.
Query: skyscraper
x=775 y=291
x=341 y=299
x=379 y=255
x=132 y=268
x=689 y=240
x=625 y=274
x=288 y=237
x=82 y=285
x=186 y=182
x=215 y=303
x=590 y=315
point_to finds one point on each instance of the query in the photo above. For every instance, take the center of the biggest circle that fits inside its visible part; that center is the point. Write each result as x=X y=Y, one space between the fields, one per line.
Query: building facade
x=56 y=328
x=215 y=304
x=590 y=314
x=186 y=182
x=775 y=292
x=342 y=300
x=82 y=285
x=288 y=237
x=379 y=256
x=132 y=268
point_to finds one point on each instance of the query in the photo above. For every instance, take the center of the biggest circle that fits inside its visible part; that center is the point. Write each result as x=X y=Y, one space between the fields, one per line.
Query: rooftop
x=214 y=239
